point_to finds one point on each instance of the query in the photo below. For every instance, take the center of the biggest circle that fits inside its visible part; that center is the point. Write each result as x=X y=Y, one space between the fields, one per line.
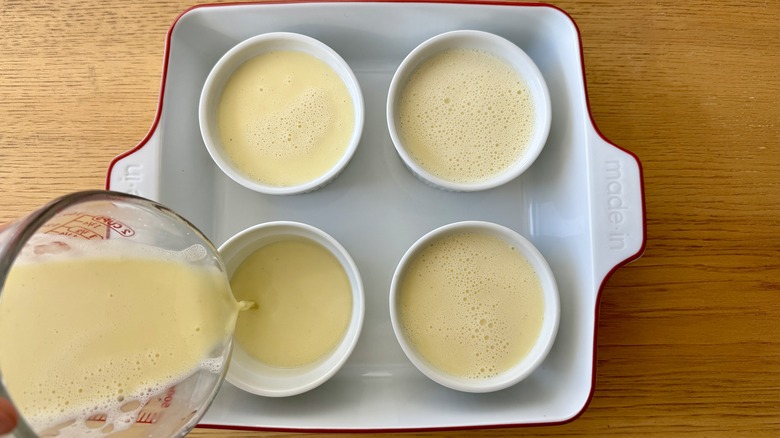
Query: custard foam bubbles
x=471 y=305
x=465 y=115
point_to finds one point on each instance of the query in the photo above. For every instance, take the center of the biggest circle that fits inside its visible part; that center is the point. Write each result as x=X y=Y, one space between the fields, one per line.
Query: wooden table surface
x=688 y=336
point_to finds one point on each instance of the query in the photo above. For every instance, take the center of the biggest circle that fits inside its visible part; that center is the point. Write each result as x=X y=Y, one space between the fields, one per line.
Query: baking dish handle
x=137 y=171
x=618 y=207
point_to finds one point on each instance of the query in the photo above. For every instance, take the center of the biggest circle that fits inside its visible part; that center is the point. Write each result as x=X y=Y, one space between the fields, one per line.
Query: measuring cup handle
x=618 y=206
x=137 y=171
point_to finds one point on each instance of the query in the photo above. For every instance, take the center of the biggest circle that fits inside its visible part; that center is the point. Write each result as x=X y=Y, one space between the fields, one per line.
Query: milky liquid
x=466 y=115
x=304 y=303
x=471 y=305
x=285 y=118
x=82 y=335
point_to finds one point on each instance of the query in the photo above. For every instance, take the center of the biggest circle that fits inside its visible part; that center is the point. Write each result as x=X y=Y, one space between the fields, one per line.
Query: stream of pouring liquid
x=81 y=336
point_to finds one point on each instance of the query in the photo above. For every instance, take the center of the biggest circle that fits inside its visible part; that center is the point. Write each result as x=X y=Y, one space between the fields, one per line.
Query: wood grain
x=688 y=337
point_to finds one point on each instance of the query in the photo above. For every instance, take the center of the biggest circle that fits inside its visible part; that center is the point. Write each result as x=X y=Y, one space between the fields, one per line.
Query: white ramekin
x=255 y=377
x=231 y=61
x=543 y=344
x=504 y=49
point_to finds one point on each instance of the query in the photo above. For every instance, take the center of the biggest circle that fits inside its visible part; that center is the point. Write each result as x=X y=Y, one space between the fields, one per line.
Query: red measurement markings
x=147 y=417
x=90 y=227
x=115 y=225
x=144 y=418
x=166 y=402
x=99 y=417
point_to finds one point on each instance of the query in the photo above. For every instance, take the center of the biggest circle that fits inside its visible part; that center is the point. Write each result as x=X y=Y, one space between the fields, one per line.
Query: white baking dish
x=581 y=204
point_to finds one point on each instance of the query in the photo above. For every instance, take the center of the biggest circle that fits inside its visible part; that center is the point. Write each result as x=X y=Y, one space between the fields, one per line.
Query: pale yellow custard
x=285 y=118
x=101 y=335
x=465 y=115
x=471 y=305
x=304 y=303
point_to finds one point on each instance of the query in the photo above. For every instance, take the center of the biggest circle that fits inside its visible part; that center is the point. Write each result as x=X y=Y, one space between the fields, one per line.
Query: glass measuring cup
x=90 y=224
